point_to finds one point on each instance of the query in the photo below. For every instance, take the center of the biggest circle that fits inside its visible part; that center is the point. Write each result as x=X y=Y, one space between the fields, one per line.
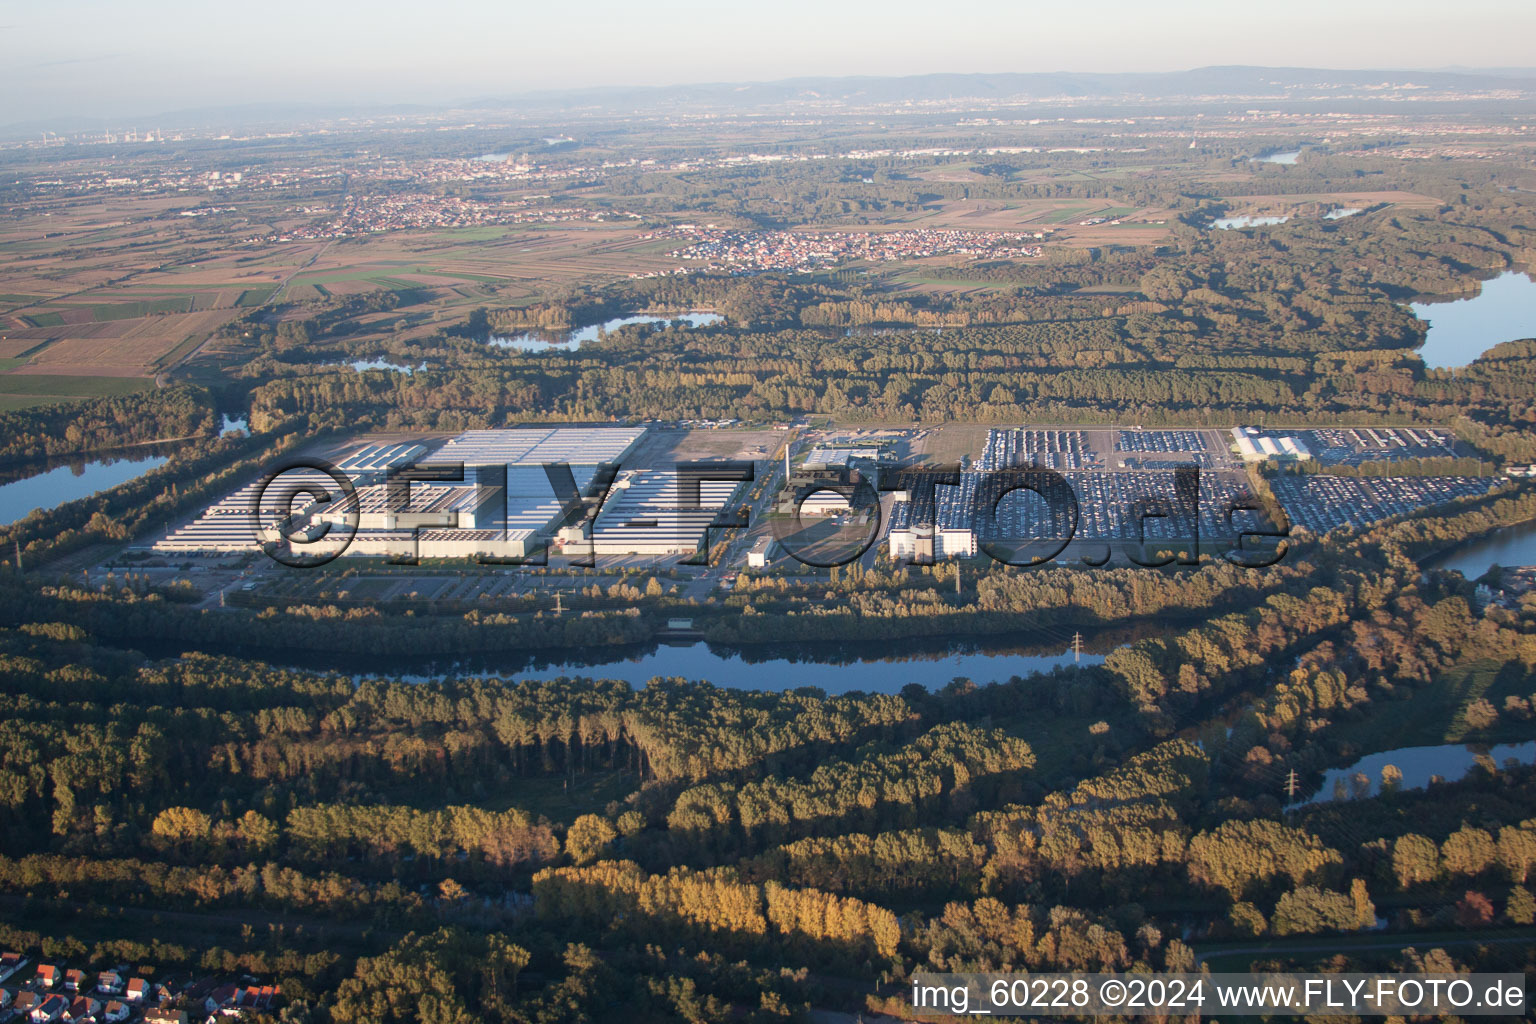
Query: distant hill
x=1200 y=85
x=1205 y=83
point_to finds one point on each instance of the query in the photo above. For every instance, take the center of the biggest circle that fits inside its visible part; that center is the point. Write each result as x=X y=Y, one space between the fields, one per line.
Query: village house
x=83 y=1006
x=221 y=997
x=10 y=964
x=49 y=1010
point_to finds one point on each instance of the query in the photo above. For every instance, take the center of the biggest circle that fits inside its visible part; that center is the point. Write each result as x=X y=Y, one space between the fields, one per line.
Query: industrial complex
x=617 y=492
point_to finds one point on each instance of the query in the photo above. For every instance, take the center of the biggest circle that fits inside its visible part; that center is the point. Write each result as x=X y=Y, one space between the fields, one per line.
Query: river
x=834 y=668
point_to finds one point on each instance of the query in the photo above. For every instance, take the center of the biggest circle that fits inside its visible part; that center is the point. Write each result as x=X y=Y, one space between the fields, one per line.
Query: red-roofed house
x=138 y=989
x=115 y=1011
x=84 y=1006
x=257 y=998
x=224 y=995
x=10 y=963
x=73 y=979
x=49 y=1010
x=109 y=982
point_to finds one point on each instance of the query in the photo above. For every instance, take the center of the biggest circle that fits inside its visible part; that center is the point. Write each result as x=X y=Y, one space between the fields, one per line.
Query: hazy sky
x=123 y=58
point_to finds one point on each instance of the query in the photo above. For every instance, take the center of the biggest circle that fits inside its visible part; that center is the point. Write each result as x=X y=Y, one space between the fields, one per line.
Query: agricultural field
x=126 y=296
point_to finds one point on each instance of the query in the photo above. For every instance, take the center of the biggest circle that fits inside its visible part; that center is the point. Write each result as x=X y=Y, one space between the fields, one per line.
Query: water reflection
x=569 y=341
x=835 y=668
x=1414 y=767
x=1248 y=221
x=1509 y=547
x=1504 y=309
x=52 y=482
x=383 y=364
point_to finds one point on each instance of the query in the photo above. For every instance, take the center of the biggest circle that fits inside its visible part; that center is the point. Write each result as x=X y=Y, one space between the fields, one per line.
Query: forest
x=546 y=851
x=195 y=788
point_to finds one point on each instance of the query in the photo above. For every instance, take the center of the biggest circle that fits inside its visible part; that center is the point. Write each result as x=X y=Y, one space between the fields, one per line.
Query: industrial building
x=536 y=446
x=504 y=503
x=226 y=526
x=762 y=552
x=648 y=513
x=371 y=464
x=1254 y=446
x=865 y=458
x=377 y=508
x=808 y=490
x=944 y=529
x=824 y=503
x=446 y=544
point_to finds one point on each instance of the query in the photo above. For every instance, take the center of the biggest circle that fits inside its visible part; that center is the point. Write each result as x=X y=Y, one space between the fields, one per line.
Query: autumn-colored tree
x=1521 y=907
x=588 y=837
x=1468 y=851
x=1474 y=910
x=1415 y=860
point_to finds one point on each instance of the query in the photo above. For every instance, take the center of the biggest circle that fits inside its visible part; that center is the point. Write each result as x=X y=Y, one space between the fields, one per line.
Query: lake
x=53 y=482
x=835 y=668
x=383 y=364
x=1288 y=157
x=1511 y=546
x=569 y=341
x=1247 y=221
x=1450 y=761
x=233 y=424
x=1504 y=309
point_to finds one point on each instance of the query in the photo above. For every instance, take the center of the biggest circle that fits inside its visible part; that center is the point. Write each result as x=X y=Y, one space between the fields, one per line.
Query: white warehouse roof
x=528 y=446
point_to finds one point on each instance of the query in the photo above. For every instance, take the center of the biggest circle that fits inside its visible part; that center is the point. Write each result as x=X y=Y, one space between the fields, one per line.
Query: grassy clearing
x=10 y=403
x=1064 y=215
x=148 y=307
x=55 y=387
x=178 y=353
x=255 y=296
x=553 y=799
x=1435 y=713
x=484 y=234
x=299 y=293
